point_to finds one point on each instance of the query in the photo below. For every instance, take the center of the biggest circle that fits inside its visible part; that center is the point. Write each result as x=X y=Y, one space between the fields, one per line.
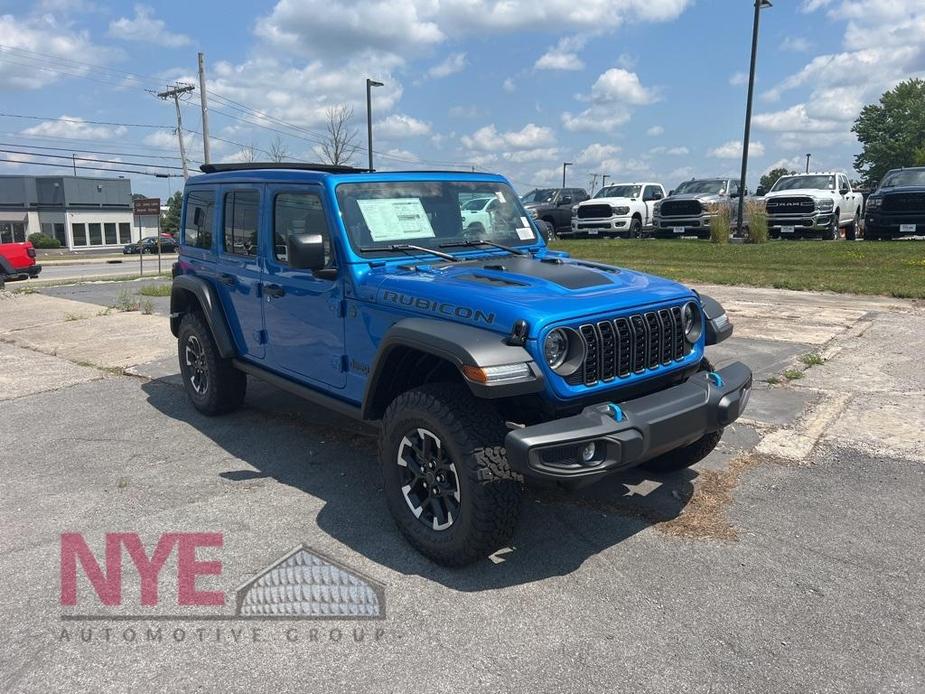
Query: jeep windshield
x=907 y=177
x=539 y=195
x=810 y=182
x=618 y=192
x=383 y=216
x=708 y=186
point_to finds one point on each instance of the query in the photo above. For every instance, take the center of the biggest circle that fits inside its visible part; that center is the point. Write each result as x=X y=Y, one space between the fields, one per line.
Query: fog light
x=587 y=453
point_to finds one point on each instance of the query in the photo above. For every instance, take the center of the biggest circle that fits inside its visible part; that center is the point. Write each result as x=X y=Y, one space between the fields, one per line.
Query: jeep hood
x=494 y=291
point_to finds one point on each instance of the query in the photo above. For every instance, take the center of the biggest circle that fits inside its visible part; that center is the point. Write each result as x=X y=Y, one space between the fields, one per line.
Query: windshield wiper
x=406 y=247
x=471 y=243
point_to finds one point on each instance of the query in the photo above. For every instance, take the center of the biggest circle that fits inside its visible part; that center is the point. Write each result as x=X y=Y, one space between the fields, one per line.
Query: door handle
x=226 y=278
x=274 y=291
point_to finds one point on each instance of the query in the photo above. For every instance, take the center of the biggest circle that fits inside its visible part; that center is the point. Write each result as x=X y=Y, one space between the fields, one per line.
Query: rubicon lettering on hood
x=439 y=307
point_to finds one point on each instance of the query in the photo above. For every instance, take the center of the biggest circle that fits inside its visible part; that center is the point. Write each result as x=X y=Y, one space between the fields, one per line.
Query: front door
x=239 y=267
x=302 y=309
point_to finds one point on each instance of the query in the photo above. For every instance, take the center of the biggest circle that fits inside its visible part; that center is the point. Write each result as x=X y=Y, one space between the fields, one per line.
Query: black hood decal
x=565 y=274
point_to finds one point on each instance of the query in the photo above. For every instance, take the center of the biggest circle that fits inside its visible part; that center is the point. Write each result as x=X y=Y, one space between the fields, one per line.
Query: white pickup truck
x=620 y=209
x=815 y=204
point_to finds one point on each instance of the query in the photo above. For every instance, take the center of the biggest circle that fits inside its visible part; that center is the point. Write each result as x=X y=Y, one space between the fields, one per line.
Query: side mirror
x=670 y=193
x=305 y=251
x=844 y=191
x=565 y=200
x=761 y=190
x=733 y=195
x=657 y=195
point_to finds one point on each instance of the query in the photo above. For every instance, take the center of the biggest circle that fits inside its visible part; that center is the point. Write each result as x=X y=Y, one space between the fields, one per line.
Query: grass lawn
x=885 y=268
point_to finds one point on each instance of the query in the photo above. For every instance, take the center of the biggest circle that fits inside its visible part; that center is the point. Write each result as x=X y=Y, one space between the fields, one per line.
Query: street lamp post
x=604 y=178
x=759 y=5
x=565 y=165
x=808 y=155
x=369 y=116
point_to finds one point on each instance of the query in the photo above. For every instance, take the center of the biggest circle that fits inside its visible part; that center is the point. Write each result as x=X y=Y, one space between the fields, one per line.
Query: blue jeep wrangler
x=487 y=360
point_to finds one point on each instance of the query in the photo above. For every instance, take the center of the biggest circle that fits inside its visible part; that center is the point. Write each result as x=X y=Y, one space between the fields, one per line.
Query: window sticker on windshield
x=500 y=196
x=525 y=234
x=396 y=219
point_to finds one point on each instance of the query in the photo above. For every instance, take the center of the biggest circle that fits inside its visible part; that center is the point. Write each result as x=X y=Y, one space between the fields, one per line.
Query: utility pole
x=604 y=178
x=565 y=165
x=759 y=5
x=74 y=162
x=369 y=117
x=808 y=155
x=175 y=92
x=206 y=153
x=593 y=182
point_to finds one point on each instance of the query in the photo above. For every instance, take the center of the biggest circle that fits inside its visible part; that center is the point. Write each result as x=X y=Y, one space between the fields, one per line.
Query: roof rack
x=302 y=166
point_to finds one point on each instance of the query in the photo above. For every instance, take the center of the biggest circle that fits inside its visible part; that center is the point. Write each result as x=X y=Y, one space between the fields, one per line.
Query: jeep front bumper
x=632 y=432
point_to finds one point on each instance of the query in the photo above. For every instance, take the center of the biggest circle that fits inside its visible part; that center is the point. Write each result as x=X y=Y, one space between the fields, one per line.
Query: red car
x=17 y=262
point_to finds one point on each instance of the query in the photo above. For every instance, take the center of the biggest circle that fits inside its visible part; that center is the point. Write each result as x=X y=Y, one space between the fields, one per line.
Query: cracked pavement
x=789 y=560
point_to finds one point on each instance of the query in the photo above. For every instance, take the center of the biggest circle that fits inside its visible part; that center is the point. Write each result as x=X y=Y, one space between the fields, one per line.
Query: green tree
x=892 y=132
x=170 y=221
x=770 y=178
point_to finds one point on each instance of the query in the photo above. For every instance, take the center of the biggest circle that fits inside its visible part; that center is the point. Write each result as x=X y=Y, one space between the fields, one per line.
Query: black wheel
x=446 y=479
x=213 y=385
x=693 y=453
x=552 y=230
x=851 y=231
x=635 y=228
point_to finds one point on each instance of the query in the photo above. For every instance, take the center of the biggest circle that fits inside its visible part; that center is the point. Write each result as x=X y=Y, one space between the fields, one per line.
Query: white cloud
x=455 y=62
x=737 y=79
x=619 y=85
x=600 y=120
x=72 y=126
x=733 y=150
x=532 y=155
x=488 y=138
x=23 y=37
x=672 y=151
x=655 y=131
x=595 y=153
x=794 y=118
x=813 y=5
x=509 y=85
x=795 y=44
x=564 y=56
x=399 y=125
x=145 y=27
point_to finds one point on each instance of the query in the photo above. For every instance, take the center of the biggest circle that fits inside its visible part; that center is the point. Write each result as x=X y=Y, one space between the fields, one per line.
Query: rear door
x=303 y=310
x=239 y=268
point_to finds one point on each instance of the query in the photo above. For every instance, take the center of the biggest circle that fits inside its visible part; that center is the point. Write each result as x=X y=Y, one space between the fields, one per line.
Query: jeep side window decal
x=396 y=219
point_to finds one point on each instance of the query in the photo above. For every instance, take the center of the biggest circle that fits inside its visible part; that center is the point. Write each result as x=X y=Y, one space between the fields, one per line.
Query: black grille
x=594 y=211
x=680 y=208
x=631 y=344
x=794 y=205
x=904 y=202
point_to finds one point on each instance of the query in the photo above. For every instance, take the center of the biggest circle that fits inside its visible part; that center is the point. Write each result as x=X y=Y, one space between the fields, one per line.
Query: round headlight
x=692 y=321
x=555 y=349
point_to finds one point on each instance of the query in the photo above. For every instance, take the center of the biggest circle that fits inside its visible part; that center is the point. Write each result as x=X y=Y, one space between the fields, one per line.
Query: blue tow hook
x=616 y=412
x=715 y=378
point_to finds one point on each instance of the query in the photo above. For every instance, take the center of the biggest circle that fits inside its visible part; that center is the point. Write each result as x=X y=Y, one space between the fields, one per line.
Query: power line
x=81 y=121
x=89 y=151
x=101 y=161
x=88 y=168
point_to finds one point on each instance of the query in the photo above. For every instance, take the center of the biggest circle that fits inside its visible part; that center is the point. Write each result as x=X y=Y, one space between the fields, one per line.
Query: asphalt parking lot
x=790 y=560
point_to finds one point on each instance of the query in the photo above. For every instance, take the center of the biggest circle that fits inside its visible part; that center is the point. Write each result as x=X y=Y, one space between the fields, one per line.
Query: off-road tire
x=489 y=493
x=225 y=388
x=688 y=455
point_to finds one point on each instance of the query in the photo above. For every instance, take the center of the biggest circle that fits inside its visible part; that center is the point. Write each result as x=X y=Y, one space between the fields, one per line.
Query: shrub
x=757 y=229
x=720 y=225
x=39 y=240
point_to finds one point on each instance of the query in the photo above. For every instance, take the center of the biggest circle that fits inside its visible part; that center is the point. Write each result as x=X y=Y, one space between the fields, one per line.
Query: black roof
x=258 y=165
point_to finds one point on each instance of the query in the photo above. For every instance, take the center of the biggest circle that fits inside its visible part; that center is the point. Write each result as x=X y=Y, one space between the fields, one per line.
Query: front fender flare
x=461 y=345
x=187 y=289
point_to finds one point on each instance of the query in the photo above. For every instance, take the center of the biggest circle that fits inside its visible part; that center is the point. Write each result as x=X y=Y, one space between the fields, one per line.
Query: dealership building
x=82 y=212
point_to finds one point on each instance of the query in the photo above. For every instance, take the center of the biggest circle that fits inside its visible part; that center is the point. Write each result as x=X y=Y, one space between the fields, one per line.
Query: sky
x=642 y=90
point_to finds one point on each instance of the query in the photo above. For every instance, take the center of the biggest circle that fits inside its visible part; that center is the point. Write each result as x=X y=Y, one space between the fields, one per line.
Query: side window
x=733 y=188
x=197 y=225
x=241 y=222
x=649 y=194
x=299 y=213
